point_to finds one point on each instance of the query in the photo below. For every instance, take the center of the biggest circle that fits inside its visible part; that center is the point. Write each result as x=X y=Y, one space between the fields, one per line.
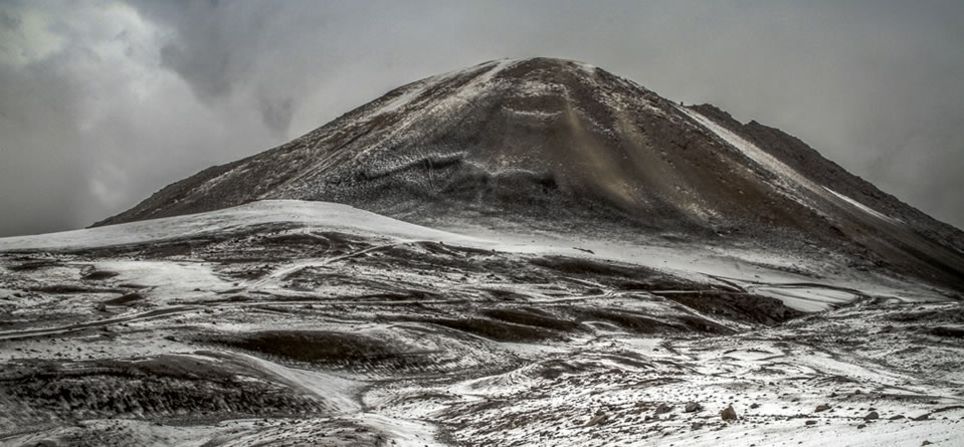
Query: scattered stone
x=663 y=408
x=728 y=413
x=822 y=407
x=861 y=426
x=926 y=442
x=896 y=417
x=598 y=419
x=922 y=417
x=754 y=406
x=871 y=416
x=97 y=275
x=810 y=422
x=692 y=407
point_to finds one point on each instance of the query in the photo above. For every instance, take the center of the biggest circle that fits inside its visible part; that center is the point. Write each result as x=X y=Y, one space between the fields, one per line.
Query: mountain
x=564 y=145
x=530 y=252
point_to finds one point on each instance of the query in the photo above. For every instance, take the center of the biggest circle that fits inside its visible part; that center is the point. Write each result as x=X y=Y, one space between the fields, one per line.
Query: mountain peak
x=556 y=143
x=539 y=63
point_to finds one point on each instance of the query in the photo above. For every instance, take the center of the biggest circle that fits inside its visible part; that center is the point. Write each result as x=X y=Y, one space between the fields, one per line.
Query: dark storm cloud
x=102 y=103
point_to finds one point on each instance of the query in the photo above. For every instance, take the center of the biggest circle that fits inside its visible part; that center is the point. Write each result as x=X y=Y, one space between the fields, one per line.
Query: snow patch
x=863 y=207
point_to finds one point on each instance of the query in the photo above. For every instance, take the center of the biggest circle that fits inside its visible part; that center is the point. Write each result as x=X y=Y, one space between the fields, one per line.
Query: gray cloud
x=102 y=103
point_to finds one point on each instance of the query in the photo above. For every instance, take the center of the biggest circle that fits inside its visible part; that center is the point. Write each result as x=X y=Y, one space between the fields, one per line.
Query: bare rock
x=728 y=413
x=599 y=419
x=663 y=408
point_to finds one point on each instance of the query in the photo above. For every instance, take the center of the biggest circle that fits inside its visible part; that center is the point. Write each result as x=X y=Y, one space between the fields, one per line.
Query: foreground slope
x=561 y=145
x=310 y=323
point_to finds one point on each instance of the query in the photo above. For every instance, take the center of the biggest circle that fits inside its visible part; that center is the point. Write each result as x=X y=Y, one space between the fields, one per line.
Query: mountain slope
x=547 y=142
x=803 y=158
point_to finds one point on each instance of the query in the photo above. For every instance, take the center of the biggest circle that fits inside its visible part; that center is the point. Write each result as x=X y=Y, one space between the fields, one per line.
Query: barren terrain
x=308 y=323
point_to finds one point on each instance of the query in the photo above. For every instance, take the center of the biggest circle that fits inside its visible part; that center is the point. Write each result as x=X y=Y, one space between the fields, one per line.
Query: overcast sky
x=104 y=102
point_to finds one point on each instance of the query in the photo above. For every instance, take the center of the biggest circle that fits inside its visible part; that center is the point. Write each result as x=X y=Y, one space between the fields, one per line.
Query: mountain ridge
x=783 y=145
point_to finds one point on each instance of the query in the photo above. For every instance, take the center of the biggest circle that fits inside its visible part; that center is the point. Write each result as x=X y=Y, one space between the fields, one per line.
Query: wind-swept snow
x=333 y=216
x=863 y=207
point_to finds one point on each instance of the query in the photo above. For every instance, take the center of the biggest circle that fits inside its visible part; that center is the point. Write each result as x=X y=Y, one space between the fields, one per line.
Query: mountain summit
x=557 y=143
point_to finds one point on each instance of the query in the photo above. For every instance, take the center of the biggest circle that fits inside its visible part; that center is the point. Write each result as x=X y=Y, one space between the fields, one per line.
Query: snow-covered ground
x=326 y=215
x=317 y=323
x=766 y=273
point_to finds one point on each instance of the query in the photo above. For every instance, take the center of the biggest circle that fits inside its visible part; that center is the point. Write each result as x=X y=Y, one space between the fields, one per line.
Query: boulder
x=728 y=413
